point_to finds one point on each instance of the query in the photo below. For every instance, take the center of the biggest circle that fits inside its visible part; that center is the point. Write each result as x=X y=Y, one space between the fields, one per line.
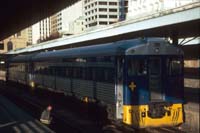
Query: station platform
x=15 y=120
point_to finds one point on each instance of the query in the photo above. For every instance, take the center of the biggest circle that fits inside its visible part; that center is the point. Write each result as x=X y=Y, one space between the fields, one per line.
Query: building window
x=102 y=3
x=1 y=46
x=93 y=24
x=126 y=10
x=9 y=46
x=112 y=10
x=19 y=34
x=102 y=16
x=111 y=22
x=125 y=3
x=103 y=9
x=112 y=3
x=103 y=23
x=112 y=16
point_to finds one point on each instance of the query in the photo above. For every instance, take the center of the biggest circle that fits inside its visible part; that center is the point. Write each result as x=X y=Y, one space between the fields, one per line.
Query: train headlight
x=143 y=114
x=2 y=62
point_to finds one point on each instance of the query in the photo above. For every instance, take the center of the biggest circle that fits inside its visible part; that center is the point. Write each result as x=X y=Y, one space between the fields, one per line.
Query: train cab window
x=137 y=67
x=174 y=66
x=154 y=66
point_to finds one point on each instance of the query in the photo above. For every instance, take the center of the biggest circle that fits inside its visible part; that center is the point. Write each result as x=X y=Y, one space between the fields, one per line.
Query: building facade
x=30 y=37
x=140 y=8
x=17 y=41
x=61 y=21
x=41 y=31
x=99 y=13
x=77 y=26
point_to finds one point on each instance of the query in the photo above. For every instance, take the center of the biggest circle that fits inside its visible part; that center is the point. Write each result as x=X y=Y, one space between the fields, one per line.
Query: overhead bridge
x=176 y=23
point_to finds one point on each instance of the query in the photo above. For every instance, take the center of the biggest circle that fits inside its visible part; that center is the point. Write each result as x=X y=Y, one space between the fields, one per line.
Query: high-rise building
x=60 y=22
x=100 y=13
x=41 y=31
x=53 y=21
x=44 y=28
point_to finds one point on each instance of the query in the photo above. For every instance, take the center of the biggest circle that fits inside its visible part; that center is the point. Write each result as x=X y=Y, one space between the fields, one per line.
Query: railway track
x=61 y=120
x=59 y=123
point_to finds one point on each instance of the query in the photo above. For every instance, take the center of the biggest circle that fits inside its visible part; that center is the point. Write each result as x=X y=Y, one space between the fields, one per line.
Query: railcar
x=140 y=80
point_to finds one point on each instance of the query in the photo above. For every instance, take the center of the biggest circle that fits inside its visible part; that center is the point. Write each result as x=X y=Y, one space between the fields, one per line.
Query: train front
x=153 y=86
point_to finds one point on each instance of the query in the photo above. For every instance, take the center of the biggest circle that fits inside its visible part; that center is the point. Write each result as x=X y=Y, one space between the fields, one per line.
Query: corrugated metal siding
x=49 y=81
x=11 y=76
x=83 y=87
x=63 y=84
x=20 y=77
x=38 y=79
x=105 y=92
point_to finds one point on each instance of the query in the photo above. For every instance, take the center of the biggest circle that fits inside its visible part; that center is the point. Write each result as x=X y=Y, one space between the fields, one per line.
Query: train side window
x=60 y=71
x=137 y=67
x=77 y=73
x=89 y=73
x=94 y=74
x=174 y=66
x=91 y=59
x=74 y=73
x=99 y=74
x=84 y=73
x=67 y=72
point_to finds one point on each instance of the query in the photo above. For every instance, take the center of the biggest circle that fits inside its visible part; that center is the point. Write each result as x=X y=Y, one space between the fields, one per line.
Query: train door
x=136 y=80
x=155 y=79
x=119 y=87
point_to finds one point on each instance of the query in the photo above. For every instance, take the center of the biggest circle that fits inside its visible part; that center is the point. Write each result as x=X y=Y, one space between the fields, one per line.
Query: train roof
x=109 y=49
x=124 y=47
x=22 y=58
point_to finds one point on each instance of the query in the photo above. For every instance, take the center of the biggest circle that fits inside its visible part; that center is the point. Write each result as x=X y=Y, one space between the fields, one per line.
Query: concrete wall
x=192 y=88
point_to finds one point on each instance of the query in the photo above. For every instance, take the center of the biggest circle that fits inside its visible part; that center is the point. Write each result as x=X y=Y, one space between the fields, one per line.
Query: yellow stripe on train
x=137 y=116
